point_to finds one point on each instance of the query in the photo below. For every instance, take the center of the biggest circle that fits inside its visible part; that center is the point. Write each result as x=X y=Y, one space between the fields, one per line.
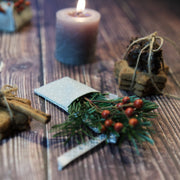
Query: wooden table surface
x=29 y=61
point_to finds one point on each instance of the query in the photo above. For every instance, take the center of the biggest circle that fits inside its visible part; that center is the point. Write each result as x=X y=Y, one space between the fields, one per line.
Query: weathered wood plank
x=22 y=156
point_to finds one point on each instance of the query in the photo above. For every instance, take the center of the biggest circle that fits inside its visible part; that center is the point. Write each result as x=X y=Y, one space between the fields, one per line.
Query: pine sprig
x=85 y=117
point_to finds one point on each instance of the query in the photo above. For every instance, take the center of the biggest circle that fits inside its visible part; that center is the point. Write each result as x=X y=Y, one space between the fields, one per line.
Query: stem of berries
x=128 y=112
x=126 y=118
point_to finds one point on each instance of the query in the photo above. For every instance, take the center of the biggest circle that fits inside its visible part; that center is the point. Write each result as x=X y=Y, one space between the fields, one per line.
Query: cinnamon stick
x=25 y=101
x=27 y=110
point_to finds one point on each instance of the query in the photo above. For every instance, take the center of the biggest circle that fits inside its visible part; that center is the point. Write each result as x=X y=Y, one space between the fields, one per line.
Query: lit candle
x=76 y=34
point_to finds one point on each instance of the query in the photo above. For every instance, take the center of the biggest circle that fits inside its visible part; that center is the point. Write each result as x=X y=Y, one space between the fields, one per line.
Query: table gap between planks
x=29 y=61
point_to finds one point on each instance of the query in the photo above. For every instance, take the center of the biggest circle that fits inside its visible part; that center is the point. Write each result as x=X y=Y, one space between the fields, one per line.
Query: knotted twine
x=152 y=38
x=5 y=92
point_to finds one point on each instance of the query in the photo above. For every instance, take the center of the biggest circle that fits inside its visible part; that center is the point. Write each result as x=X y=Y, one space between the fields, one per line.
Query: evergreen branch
x=86 y=119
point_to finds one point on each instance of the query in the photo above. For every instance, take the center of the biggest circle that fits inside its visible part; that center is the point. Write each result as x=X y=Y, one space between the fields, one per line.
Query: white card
x=63 y=92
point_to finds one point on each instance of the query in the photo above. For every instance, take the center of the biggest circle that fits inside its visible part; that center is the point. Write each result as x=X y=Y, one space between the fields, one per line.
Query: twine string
x=135 y=69
x=152 y=38
x=5 y=92
x=149 y=62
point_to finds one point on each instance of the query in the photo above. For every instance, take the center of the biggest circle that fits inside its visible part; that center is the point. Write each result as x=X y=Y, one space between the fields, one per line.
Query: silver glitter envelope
x=63 y=92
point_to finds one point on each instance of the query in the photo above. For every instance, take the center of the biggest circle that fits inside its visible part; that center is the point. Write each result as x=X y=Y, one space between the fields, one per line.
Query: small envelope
x=63 y=92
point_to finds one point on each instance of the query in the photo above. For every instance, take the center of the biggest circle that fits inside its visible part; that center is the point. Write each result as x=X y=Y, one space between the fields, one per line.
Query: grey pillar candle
x=76 y=35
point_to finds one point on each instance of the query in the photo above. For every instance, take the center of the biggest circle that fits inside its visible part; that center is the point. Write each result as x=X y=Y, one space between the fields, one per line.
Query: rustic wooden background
x=29 y=61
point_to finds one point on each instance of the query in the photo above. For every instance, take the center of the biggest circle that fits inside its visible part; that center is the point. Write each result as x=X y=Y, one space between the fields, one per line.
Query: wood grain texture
x=29 y=63
x=22 y=156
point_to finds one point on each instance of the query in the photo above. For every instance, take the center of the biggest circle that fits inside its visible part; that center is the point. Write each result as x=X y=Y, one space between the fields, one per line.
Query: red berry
x=21 y=1
x=119 y=106
x=129 y=111
x=138 y=103
x=133 y=122
x=16 y=4
x=105 y=113
x=108 y=122
x=118 y=126
x=27 y=3
x=103 y=128
x=126 y=99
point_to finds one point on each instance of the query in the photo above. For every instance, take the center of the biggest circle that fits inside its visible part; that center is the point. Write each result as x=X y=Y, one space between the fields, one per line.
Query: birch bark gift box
x=76 y=34
x=142 y=70
x=14 y=15
x=142 y=83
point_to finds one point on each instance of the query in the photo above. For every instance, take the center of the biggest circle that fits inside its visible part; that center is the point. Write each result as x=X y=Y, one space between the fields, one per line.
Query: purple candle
x=76 y=34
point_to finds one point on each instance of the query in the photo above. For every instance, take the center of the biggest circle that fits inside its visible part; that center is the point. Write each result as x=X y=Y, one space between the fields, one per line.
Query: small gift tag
x=63 y=92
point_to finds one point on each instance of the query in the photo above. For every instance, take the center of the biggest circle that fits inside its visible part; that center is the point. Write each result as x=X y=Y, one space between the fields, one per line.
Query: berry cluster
x=19 y=5
x=119 y=119
x=128 y=109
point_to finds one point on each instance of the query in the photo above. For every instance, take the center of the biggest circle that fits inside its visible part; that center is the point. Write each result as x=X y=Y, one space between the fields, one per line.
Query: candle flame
x=80 y=5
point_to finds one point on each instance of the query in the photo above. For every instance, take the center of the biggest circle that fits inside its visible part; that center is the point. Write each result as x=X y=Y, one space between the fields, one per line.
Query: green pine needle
x=85 y=114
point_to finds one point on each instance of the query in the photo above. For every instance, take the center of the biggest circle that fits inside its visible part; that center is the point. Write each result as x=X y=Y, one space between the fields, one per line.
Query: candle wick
x=78 y=13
